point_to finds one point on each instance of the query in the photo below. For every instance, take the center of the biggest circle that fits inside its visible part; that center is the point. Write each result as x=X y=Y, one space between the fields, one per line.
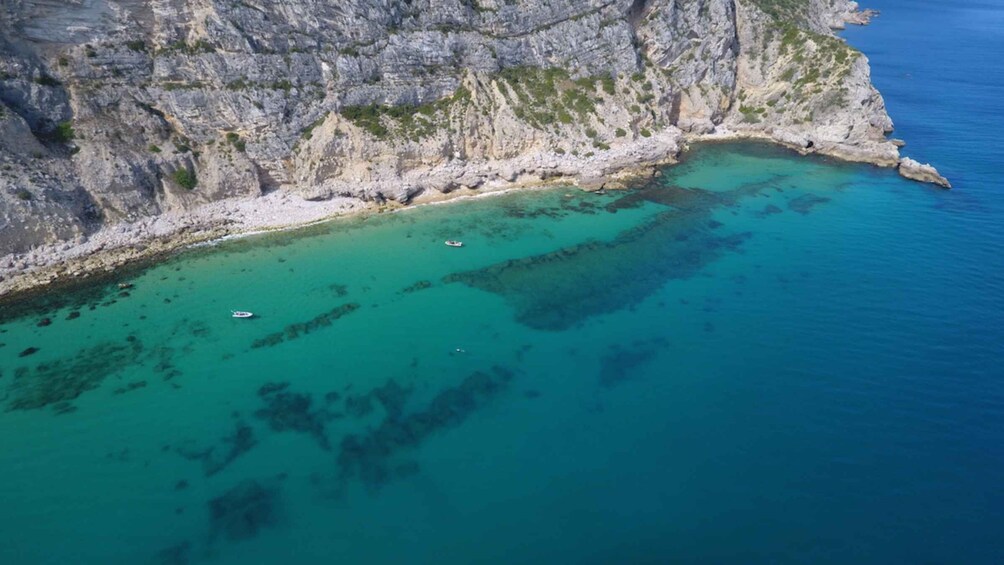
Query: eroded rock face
x=116 y=110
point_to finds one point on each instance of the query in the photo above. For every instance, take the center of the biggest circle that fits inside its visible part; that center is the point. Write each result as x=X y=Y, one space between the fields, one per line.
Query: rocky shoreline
x=126 y=243
x=268 y=135
x=112 y=248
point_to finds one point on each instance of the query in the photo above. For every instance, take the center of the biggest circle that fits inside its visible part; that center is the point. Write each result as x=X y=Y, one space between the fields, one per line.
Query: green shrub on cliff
x=308 y=132
x=607 y=82
x=235 y=139
x=366 y=117
x=406 y=120
x=62 y=133
x=539 y=96
x=787 y=10
x=185 y=178
x=46 y=80
x=750 y=114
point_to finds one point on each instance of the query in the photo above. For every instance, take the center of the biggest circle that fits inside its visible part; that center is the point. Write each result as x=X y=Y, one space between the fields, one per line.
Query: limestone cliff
x=113 y=111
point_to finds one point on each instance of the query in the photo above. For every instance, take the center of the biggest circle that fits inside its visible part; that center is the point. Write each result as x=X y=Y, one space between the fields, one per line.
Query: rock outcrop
x=113 y=112
x=913 y=170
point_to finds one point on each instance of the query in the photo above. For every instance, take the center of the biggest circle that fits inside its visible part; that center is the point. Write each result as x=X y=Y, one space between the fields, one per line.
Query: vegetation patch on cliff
x=185 y=178
x=782 y=10
x=407 y=121
x=543 y=97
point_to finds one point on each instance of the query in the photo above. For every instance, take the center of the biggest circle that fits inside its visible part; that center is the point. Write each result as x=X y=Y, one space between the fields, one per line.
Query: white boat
x=453 y=243
x=240 y=314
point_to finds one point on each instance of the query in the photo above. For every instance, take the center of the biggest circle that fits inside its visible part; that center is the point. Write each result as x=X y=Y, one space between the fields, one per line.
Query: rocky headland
x=130 y=128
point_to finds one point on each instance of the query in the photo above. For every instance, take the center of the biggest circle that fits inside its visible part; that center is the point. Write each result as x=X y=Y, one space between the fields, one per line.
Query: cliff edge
x=130 y=126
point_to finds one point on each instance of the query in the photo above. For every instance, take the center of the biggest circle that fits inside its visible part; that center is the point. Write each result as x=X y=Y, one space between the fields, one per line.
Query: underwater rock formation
x=215 y=458
x=372 y=457
x=67 y=378
x=621 y=362
x=178 y=554
x=358 y=406
x=391 y=396
x=243 y=511
x=294 y=331
x=557 y=290
x=130 y=387
x=164 y=365
x=269 y=388
x=290 y=411
x=420 y=285
x=768 y=210
x=806 y=202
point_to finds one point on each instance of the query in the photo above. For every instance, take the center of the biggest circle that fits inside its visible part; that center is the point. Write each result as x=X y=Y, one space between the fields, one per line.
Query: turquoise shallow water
x=755 y=358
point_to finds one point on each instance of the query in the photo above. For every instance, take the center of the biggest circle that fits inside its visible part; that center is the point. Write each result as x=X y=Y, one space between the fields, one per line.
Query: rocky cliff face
x=116 y=110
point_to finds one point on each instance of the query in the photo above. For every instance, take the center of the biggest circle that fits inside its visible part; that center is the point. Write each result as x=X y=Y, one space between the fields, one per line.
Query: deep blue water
x=757 y=358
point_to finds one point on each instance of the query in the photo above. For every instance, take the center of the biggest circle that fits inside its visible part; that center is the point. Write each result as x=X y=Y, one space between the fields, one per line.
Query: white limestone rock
x=914 y=170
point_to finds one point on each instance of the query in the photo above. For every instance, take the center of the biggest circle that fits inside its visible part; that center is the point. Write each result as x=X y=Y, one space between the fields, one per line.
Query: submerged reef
x=372 y=457
x=560 y=289
x=805 y=203
x=129 y=387
x=294 y=331
x=768 y=210
x=621 y=363
x=90 y=292
x=243 y=511
x=291 y=411
x=338 y=290
x=65 y=379
x=391 y=396
x=215 y=459
x=164 y=357
x=420 y=285
x=177 y=554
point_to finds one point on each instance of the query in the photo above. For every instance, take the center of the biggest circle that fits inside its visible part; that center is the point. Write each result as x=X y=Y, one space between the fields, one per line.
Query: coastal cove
x=740 y=354
x=102 y=267
x=80 y=195
x=584 y=356
x=113 y=252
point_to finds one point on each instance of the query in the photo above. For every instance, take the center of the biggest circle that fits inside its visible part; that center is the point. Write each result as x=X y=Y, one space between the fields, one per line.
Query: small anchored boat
x=241 y=314
x=453 y=243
